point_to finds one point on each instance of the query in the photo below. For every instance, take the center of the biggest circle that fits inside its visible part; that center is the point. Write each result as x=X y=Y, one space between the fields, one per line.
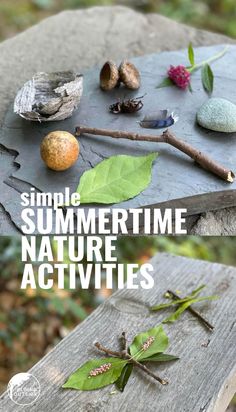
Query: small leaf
x=191 y=54
x=162 y=357
x=169 y=304
x=116 y=179
x=124 y=377
x=83 y=381
x=166 y=82
x=207 y=78
x=159 y=344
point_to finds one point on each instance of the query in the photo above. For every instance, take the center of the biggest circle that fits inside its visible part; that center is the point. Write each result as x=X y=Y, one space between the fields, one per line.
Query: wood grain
x=204 y=379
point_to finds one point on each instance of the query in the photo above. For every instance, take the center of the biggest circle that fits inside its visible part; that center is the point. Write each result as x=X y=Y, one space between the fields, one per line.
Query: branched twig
x=125 y=355
x=194 y=312
x=167 y=137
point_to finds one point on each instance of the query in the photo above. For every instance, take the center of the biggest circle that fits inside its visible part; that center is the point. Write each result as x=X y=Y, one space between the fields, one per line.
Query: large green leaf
x=161 y=357
x=116 y=179
x=124 y=377
x=83 y=381
x=207 y=78
x=158 y=346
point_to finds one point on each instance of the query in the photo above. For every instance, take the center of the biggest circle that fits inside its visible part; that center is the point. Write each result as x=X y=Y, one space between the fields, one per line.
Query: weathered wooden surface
x=175 y=177
x=203 y=380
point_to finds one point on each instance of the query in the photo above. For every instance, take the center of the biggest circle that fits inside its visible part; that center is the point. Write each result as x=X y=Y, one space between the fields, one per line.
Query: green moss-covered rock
x=218 y=114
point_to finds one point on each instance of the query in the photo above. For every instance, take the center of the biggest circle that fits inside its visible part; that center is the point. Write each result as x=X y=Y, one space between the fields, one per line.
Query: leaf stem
x=210 y=60
x=194 y=312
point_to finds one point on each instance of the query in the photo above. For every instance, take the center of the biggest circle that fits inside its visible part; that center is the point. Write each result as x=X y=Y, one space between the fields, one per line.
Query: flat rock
x=218 y=114
x=81 y=39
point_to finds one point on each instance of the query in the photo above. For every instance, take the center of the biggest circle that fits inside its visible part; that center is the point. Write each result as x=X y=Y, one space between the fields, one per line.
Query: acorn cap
x=129 y=75
x=109 y=76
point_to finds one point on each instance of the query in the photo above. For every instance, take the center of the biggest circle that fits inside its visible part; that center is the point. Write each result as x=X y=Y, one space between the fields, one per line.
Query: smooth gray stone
x=175 y=177
x=218 y=114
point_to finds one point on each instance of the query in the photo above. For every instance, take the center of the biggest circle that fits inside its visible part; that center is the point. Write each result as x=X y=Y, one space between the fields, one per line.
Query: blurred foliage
x=215 y=15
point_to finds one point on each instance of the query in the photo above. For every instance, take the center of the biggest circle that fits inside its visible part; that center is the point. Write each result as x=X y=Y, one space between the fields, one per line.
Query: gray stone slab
x=204 y=379
x=175 y=177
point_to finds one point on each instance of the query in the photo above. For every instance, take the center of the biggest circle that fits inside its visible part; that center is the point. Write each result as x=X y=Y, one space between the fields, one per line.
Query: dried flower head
x=102 y=369
x=180 y=76
x=148 y=343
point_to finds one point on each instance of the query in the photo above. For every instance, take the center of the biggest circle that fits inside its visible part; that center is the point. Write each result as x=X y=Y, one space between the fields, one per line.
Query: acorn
x=129 y=75
x=59 y=150
x=109 y=76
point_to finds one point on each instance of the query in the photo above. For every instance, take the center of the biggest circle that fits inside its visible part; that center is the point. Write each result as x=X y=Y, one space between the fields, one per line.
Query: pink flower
x=180 y=76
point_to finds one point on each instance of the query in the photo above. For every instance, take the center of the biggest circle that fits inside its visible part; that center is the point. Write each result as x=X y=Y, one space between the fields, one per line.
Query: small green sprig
x=147 y=346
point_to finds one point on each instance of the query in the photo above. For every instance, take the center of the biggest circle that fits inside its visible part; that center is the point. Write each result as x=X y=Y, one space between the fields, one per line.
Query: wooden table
x=204 y=379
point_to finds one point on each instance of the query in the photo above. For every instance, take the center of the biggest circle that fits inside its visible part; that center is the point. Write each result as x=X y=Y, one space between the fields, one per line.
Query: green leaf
x=162 y=357
x=172 y=318
x=207 y=78
x=124 y=377
x=158 y=346
x=116 y=179
x=166 y=82
x=191 y=54
x=83 y=381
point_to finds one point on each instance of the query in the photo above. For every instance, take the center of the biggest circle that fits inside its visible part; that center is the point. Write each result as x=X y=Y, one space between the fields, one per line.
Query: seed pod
x=109 y=76
x=102 y=369
x=129 y=75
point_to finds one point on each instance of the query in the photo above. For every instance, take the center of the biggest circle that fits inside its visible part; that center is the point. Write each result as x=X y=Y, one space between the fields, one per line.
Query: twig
x=167 y=137
x=194 y=312
x=125 y=355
